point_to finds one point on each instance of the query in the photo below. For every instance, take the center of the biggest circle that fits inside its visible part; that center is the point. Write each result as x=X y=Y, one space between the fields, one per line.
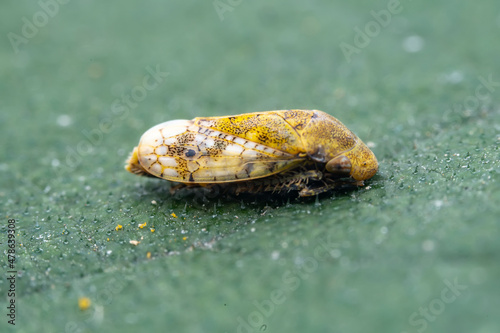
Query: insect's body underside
x=307 y=182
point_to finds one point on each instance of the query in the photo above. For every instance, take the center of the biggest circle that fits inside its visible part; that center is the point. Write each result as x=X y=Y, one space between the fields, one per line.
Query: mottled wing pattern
x=221 y=149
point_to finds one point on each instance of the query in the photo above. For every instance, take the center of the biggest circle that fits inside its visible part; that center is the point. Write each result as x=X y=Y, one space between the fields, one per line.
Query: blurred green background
x=415 y=251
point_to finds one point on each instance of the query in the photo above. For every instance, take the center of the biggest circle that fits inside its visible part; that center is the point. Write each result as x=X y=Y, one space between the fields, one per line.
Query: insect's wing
x=222 y=149
x=134 y=166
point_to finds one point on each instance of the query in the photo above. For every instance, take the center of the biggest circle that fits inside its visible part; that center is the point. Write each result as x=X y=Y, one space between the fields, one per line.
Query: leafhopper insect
x=307 y=151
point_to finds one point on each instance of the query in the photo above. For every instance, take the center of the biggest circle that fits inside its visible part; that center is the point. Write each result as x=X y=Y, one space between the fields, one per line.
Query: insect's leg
x=310 y=191
x=180 y=186
x=174 y=189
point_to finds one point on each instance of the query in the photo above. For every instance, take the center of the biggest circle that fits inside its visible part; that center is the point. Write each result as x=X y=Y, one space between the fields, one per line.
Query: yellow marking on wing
x=207 y=154
x=266 y=128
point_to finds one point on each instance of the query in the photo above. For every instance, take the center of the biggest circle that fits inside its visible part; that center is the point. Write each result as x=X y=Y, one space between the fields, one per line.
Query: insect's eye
x=190 y=153
x=340 y=164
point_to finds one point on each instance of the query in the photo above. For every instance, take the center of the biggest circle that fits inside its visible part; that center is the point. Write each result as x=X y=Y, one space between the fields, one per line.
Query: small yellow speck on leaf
x=148 y=255
x=107 y=239
x=134 y=242
x=84 y=303
x=184 y=238
x=173 y=215
x=153 y=229
x=119 y=227
x=143 y=225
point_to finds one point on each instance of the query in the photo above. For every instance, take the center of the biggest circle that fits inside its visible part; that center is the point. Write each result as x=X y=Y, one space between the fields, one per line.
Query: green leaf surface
x=416 y=250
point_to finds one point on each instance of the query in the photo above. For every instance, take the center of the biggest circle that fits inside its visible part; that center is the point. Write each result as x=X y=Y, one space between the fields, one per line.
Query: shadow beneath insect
x=196 y=196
